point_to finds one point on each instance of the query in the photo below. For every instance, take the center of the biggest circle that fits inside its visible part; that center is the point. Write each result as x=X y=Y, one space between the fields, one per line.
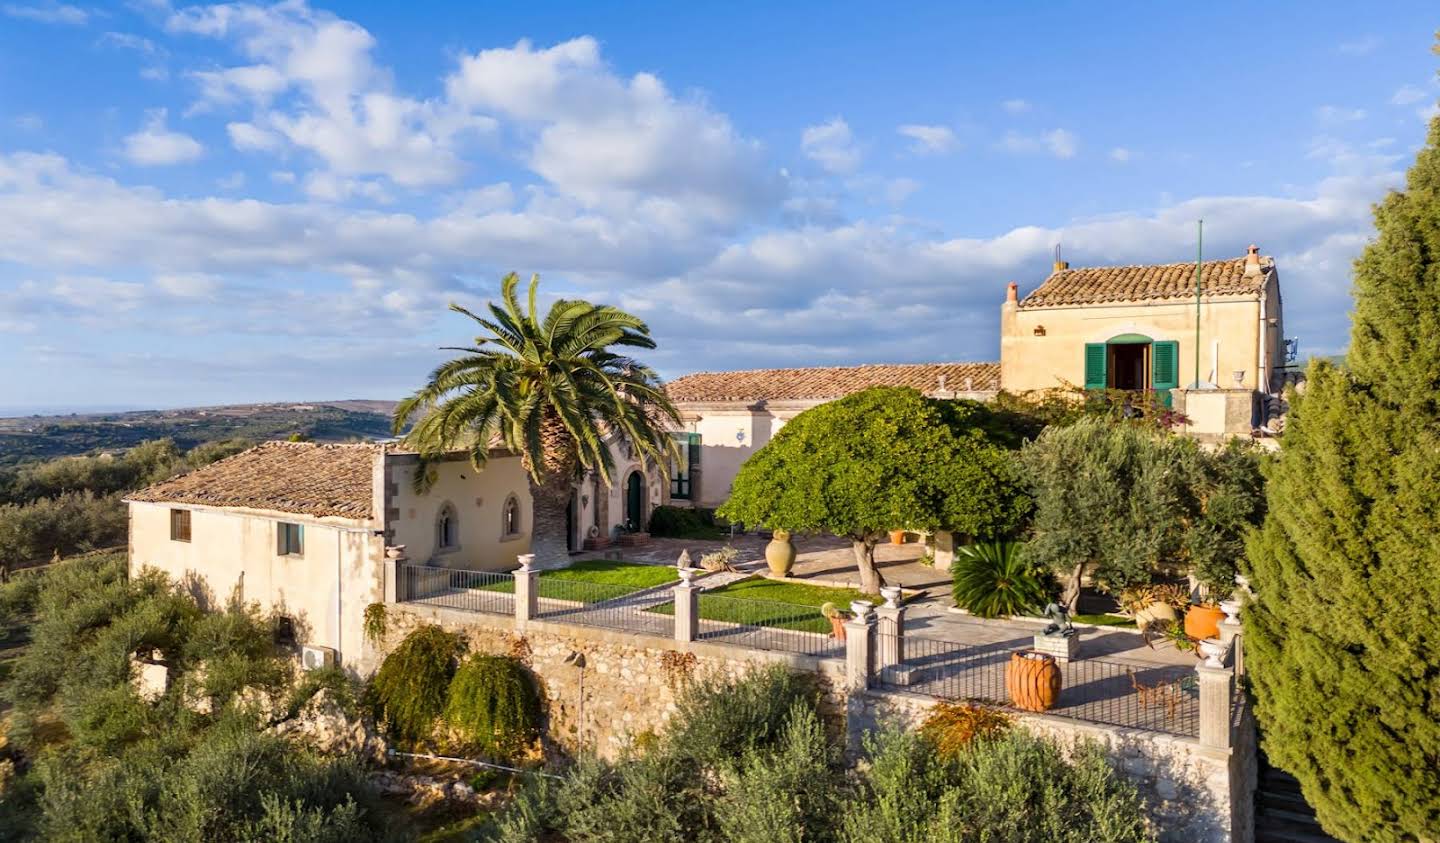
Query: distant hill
x=45 y=437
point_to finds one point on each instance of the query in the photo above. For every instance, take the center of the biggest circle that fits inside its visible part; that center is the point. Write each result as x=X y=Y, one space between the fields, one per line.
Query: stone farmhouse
x=305 y=528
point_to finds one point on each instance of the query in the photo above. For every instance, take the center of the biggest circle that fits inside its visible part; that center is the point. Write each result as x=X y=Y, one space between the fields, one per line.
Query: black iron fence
x=1155 y=697
x=769 y=625
x=600 y=604
x=490 y=592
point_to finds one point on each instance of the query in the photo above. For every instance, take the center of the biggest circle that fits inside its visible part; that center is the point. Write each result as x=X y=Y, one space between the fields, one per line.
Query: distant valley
x=45 y=437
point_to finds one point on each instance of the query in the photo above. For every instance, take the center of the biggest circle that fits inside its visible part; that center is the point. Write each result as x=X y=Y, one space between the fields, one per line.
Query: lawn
x=612 y=578
x=758 y=601
x=1104 y=620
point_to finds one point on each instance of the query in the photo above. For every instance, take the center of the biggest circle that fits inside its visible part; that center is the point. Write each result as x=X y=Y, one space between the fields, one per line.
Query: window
x=511 y=523
x=179 y=525
x=683 y=469
x=290 y=539
x=446 y=530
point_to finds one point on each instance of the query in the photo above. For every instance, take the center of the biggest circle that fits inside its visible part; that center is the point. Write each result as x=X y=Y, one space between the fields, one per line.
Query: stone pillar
x=889 y=629
x=687 y=608
x=1217 y=693
x=1231 y=638
x=859 y=646
x=944 y=550
x=395 y=574
x=527 y=589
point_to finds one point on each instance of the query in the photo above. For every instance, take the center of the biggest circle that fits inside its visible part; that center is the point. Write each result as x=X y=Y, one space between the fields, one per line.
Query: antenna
x=1057 y=254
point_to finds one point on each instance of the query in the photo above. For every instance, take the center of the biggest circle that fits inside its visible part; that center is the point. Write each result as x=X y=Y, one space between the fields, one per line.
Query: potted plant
x=1154 y=603
x=780 y=554
x=1217 y=582
x=1033 y=680
x=897 y=536
x=837 y=618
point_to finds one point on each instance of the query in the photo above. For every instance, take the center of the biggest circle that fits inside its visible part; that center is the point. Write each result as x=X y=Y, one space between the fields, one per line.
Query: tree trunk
x=1071 y=597
x=870 y=577
x=547 y=530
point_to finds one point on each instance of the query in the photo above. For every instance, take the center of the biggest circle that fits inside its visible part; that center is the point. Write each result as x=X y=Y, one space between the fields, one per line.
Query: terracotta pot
x=897 y=536
x=1203 y=621
x=1032 y=680
x=837 y=628
x=780 y=554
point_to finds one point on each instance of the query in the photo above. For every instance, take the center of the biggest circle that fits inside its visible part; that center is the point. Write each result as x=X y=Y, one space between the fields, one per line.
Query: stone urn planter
x=1203 y=621
x=897 y=536
x=1033 y=680
x=1161 y=613
x=780 y=554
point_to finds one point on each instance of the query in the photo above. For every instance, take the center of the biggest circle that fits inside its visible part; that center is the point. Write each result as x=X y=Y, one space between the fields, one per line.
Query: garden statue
x=1059 y=621
x=684 y=560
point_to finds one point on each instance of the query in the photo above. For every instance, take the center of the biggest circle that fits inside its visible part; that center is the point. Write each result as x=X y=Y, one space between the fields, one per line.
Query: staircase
x=1281 y=813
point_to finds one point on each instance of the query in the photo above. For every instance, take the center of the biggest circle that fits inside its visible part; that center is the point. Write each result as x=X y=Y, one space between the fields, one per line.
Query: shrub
x=995 y=579
x=409 y=690
x=654 y=797
x=683 y=522
x=718 y=720
x=951 y=727
x=375 y=622
x=494 y=705
x=786 y=796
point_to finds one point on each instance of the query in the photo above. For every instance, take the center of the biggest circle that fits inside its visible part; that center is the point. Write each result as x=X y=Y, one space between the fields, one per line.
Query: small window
x=511 y=525
x=179 y=525
x=290 y=539
x=446 y=533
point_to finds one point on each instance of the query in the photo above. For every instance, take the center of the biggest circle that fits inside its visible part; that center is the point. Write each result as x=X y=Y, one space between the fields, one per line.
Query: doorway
x=570 y=524
x=635 y=502
x=1128 y=366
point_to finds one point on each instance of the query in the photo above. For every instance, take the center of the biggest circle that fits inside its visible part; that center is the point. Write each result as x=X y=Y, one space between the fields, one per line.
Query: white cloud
x=1360 y=46
x=1016 y=106
x=898 y=190
x=247 y=137
x=28 y=122
x=928 y=139
x=1061 y=143
x=831 y=145
x=50 y=12
x=1428 y=113
x=188 y=285
x=1120 y=154
x=155 y=145
x=1339 y=114
x=129 y=41
x=234 y=181
x=1408 y=95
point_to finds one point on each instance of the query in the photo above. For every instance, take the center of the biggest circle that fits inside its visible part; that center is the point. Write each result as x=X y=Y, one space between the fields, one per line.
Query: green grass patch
x=777 y=604
x=1104 y=620
x=618 y=579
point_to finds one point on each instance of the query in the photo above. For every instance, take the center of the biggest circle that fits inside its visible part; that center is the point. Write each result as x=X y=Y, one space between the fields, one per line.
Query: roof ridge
x=838 y=366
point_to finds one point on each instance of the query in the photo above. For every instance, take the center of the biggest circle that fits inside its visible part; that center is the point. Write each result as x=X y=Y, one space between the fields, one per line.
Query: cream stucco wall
x=1230 y=330
x=478 y=498
x=324 y=590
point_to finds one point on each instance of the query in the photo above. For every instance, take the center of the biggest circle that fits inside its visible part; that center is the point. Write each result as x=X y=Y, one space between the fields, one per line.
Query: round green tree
x=494 y=705
x=1342 y=647
x=883 y=459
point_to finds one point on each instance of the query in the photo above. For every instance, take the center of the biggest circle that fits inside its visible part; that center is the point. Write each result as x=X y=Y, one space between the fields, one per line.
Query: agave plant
x=994 y=579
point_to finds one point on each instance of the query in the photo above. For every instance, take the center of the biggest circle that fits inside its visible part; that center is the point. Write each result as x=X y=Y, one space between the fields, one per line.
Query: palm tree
x=552 y=391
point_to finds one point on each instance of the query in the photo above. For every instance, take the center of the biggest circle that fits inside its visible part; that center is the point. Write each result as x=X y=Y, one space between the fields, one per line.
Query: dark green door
x=633 y=491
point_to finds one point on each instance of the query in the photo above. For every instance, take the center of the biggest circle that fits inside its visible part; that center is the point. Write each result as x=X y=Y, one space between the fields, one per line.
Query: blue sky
x=221 y=203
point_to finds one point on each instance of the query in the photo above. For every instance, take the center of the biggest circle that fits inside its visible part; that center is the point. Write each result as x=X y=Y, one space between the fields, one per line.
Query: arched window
x=447 y=529
x=510 y=525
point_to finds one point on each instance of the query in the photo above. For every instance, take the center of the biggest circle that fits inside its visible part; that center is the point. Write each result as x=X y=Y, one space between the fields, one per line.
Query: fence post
x=687 y=607
x=1230 y=636
x=395 y=591
x=889 y=628
x=527 y=589
x=859 y=646
x=1217 y=694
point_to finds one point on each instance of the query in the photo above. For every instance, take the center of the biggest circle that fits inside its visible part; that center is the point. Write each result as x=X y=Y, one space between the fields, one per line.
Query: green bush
x=996 y=580
x=718 y=720
x=788 y=795
x=494 y=705
x=411 y=688
x=683 y=522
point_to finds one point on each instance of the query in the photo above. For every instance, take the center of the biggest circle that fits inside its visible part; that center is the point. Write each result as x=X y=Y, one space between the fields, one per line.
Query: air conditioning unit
x=314 y=658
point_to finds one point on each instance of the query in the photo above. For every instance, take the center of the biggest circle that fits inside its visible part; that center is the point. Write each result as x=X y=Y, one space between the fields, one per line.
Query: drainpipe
x=1262 y=373
x=339 y=586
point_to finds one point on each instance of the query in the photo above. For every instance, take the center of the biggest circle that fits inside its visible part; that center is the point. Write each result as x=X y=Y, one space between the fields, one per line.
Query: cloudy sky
x=220 y=203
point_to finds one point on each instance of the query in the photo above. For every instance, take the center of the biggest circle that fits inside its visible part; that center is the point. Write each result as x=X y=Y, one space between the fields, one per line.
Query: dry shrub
x=951 y=727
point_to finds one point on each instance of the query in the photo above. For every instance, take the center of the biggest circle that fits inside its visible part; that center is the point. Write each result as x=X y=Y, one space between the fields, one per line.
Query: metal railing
x=491 y=592
x=767 y=625
x=599 y=604
x=1154 y=697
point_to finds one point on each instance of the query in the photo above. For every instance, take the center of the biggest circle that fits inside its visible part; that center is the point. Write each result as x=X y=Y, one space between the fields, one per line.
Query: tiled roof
x=304 y=478
x=1158 y=282
x=830 y=382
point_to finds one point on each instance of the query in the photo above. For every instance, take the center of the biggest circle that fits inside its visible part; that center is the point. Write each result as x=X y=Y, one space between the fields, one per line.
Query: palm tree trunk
x=547 y=531
x=870 y=577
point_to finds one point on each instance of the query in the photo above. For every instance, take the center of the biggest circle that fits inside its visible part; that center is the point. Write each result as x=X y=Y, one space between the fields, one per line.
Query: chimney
x=1252 y=260
x=1012 y=293
x=1061 y=265
x=941 y=387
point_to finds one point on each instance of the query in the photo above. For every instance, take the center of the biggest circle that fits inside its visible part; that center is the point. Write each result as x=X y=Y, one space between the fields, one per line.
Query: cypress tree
x=1343 y=638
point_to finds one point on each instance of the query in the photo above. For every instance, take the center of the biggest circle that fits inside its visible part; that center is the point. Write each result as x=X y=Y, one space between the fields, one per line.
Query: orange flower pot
x=897 y=536
x=1203 y=622
x=1033 y=680
x=837 y=629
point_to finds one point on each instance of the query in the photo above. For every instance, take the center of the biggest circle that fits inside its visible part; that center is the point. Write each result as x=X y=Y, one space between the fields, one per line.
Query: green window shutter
x=1165 y=367
x=1095 y=365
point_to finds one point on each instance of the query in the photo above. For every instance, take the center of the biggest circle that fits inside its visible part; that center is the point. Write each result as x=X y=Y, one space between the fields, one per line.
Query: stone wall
x=1191 y=791
x=627 y=686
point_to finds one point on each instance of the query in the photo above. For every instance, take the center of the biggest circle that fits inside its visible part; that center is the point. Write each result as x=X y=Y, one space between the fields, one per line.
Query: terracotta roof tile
x=1157 y=282
x=304 y=478
x=830 y=382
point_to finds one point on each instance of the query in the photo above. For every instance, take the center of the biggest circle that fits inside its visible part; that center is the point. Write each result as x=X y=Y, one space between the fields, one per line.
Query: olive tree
x=883 y=459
